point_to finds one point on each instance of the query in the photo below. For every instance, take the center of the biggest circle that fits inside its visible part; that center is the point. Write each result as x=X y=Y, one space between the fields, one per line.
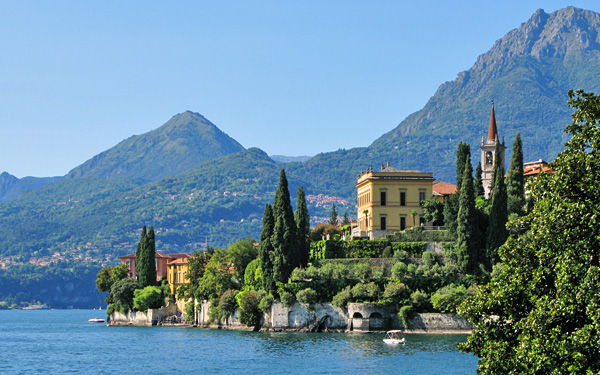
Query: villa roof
x=159 y=255
x=443 y=188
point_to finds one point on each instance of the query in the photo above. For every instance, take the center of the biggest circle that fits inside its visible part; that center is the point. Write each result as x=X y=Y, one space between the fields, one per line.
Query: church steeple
x=488 y=156
x=493 y=130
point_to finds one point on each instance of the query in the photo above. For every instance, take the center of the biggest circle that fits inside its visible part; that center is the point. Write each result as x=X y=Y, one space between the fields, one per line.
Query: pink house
x=161 y=260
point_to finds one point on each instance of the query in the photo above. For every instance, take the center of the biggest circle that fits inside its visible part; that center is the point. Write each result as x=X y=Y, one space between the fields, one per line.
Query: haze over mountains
x=193 y=182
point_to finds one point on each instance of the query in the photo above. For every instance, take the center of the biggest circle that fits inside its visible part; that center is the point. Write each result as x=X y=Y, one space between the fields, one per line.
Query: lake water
x=63 y=342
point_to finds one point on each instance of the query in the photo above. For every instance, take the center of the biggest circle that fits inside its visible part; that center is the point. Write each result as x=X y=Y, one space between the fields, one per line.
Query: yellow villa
x=389 y=200
x=176 y=273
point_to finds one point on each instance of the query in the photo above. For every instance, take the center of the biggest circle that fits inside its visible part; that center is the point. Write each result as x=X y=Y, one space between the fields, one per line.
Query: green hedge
x=414 y=249
x=335 y=249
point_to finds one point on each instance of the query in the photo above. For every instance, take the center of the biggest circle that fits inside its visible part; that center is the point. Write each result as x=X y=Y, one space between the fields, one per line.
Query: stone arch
x=376 y=321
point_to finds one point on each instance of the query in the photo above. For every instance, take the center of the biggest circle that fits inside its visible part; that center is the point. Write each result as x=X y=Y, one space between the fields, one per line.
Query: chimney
x=382 y=167
x=388 y=164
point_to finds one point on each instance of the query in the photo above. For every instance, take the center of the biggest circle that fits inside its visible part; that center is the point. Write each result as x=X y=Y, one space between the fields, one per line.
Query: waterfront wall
x=320 y=317
x=140 y=318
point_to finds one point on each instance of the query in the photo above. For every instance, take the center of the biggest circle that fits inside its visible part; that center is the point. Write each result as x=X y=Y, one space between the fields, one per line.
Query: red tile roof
x=443 y=188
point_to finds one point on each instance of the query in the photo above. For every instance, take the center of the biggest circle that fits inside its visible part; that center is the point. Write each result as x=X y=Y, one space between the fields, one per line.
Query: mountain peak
x=183 y=142
x=558 y=34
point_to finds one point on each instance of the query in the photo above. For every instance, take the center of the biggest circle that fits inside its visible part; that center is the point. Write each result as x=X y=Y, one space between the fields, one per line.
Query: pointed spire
x=493 y=131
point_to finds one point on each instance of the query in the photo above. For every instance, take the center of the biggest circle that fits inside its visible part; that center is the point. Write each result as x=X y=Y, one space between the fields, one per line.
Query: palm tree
x=413 y=213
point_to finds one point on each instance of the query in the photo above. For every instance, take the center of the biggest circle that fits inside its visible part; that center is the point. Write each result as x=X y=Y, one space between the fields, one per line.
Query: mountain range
x=196 y=184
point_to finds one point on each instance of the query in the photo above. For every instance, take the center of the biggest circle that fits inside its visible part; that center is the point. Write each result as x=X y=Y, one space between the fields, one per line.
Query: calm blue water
x=63 y=342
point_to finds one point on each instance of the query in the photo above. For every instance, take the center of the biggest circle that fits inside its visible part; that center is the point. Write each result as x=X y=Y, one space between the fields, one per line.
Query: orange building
x=161 y=260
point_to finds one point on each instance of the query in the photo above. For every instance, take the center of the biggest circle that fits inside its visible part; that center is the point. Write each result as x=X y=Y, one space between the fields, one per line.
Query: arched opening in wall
x=376 y=321
x=358 y=322
x=325 y=323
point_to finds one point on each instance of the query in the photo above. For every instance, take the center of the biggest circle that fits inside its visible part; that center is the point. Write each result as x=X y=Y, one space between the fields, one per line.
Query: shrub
x=265 y=303
x=189 y=311
x=411 y=269
x=298 y=274
x=122 y=294
x=326 y=272
x=312 y=272
x=378 y=272
x=448 y=298
x=249 y=311
x=404 y=314
x=151 y=297
x=420 y=301
x=401 y=255
x=361 y=271
x=387 y=252
x=308 y=296
x=414 y=249
x=396 y=292
x=365 y=292
x=342 y=298
x=225 y=306
x=287 y=299
x=399 y=270
x=341 y=271
x=429 y=258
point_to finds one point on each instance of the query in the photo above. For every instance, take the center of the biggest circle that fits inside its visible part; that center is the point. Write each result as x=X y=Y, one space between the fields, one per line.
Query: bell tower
x=487 y=154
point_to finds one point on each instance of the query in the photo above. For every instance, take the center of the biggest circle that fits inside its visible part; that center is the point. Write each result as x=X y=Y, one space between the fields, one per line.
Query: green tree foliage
x=217 y=277
x=478 y=184
x=303 y=228
x=151 y=297
x=466 y=244
x=196 y=266
x=145 y=264
x=110 y=275
x=448 y=298
x=497 y=233
x=242 y=253
x=265 y=250
x=345 y=221
x=249 y=310
x=223 y=307
x=284 y=238
x=540 y=314
x=333 y=220
x=450 y=212
x=515 y=181
x=250 y=274
x=462 y=153
x=433 y=210
x=396 y=292
x=307 y=296
x=122 y=293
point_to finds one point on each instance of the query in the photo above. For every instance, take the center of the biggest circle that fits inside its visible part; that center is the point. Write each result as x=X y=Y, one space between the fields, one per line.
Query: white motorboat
x=96 y=320
x=394 y=338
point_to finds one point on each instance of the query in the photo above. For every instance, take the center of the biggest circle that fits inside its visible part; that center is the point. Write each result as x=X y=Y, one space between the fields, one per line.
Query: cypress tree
x=265 y=250
x=284 y=238
x=466 y=249
x=463 y=151
x=303 y=228
x=479 y=191
x=497 y=233
x=515 y=181
x=333 y=219
x=146 y=262
x=451 y=203
x=138 y=252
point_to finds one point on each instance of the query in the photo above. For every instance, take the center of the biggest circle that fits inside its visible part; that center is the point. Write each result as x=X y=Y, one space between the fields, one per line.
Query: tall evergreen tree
x=451 y=203
x=515 y=181
x=265 y=250
x=467 y=258
x=333 y=220
x=284 y=238
x=303 y=228
x=497 y=233
x=463 y=151
x=345 y=221
x=146 y=260
x=479 y=191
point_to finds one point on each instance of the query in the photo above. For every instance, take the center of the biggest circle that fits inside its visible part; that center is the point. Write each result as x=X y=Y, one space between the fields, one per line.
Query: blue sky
x=292 y=78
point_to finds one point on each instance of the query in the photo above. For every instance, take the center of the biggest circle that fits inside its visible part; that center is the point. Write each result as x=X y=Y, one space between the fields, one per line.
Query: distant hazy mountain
x=11 y=186
x=185 y=141
x=289 y=159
